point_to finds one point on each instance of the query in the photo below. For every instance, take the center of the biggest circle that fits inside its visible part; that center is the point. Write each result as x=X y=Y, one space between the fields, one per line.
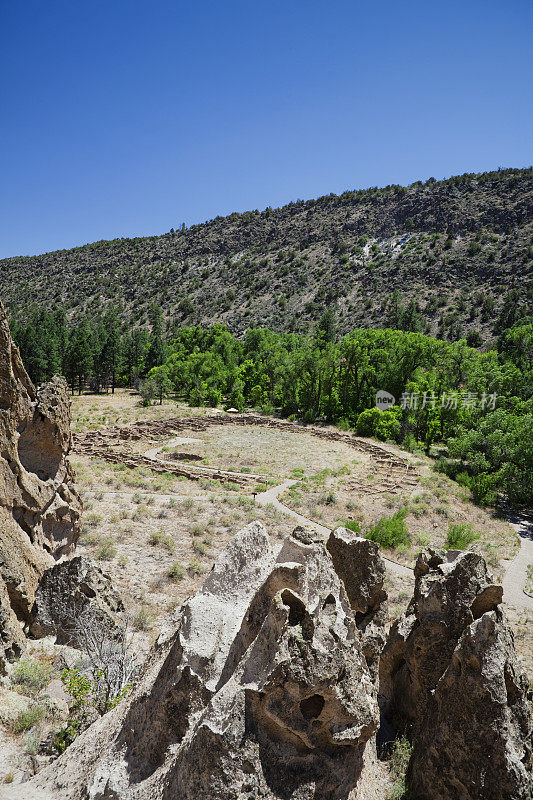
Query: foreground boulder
x=39 y=507
x=262 y=691
x=450 y=673
x=68 y=593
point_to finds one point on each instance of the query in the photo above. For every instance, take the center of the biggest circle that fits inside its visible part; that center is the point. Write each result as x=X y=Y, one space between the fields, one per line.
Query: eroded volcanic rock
x=39 y=507
x=262 y=691
x=449 y=670
x=66 y=592
x=358 y=564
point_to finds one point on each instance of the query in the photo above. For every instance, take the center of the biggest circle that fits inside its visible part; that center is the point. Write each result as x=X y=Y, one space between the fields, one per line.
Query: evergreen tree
x=79 y=357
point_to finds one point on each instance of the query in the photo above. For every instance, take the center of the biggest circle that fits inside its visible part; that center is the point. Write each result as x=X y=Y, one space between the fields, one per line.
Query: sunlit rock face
x=39 y=506
x=449 y=670
x=262 y=691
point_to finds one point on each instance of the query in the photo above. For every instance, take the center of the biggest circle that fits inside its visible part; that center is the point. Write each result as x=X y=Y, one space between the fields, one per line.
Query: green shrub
x=195 y=568
x=401 y=756
x=483 y=488
x=383 y=425
x=199 y=547
x=390 y=532
x=158 y=538
x=460 y=536
x=30 y=675
x=107 y=550
x=176 y=572
x=27 y=718
x=351 y=525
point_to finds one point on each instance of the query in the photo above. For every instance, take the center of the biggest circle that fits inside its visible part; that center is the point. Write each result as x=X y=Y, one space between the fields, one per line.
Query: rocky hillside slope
x=454 y=247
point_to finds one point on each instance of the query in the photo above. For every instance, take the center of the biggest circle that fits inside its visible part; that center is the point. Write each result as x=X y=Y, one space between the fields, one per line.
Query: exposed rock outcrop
x=360 y=567
x=263 y=691
x=67 y=592
x=12 y=641
x=39 y=507
x=449 y=670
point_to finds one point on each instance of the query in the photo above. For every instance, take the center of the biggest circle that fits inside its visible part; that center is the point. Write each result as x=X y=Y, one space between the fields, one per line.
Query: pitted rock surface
x=69 y=590
x=449 y=669
x=263 y=691
x=39 y=506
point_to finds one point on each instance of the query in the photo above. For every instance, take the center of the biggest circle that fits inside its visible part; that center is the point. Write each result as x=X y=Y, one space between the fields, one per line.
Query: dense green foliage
x=476 y=403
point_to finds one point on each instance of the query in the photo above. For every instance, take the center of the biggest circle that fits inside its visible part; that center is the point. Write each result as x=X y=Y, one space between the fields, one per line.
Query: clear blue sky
x=126 y=118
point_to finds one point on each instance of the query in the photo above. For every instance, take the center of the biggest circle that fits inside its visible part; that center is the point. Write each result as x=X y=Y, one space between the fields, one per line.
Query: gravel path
x=154 y=452
x=271 y=496
x=515 y=576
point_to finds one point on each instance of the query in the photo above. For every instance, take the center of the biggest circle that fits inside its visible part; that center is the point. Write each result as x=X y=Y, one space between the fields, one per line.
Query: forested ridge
x=438 y=257
x=476 y=404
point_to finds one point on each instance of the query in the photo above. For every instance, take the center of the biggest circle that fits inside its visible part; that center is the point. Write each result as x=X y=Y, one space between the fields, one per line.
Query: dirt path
x=514 y=580
x=515 y=576
x=395 y=474
x=271 y=496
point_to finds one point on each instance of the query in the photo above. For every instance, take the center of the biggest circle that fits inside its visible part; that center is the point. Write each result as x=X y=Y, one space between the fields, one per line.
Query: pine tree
x=79 y=357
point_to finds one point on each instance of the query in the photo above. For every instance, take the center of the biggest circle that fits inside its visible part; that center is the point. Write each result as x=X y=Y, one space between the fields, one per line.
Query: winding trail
x=515 y=576
x=271 y=496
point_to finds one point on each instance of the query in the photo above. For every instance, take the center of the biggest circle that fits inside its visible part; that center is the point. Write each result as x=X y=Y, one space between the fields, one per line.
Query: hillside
x=454 y=247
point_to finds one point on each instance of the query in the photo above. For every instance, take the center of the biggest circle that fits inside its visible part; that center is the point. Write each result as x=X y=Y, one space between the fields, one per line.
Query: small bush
x=107 y=550
x=32 y=743
x=460 y=536
x=26 y=719
x=30 y=675
x=158 y=538
x=142 y=621
x=483 y=488
x=195 y=568
x=401 y=756
x=176 y=572
x=351 y=525
x=197 y=529
x=390 y=532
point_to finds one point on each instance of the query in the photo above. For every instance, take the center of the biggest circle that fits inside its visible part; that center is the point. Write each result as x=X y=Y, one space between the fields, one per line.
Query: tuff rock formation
x=358 y=564
x=449 y=670
x=39 y=507
x=12 y=640
x=67 y=592
x=262 y=691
